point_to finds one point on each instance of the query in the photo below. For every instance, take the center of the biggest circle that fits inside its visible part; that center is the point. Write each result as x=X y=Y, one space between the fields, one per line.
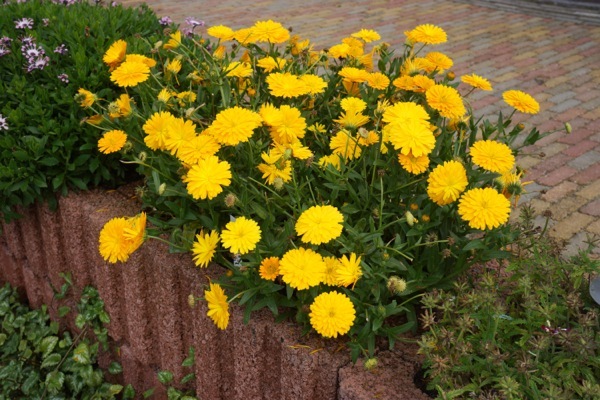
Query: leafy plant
x=47 y=52
x=530 y=331
x=38 y=362
x=336 y=187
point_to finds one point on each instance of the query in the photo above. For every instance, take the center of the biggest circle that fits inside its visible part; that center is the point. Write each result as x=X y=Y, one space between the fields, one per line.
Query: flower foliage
x=330 y=181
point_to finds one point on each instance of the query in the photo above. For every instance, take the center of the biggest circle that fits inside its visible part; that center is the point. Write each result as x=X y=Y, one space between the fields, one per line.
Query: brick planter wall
x=152 y=325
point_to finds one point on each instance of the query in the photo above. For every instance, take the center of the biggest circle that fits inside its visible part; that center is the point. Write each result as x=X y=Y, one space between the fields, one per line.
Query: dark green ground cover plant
x=37 y=361
x=48 y=50
x=530 y=331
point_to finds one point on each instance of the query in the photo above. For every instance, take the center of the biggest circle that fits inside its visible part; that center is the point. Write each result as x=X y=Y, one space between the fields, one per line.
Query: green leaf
x=81 y=354
x=115 y=368
x=50 y=361
x=165 y=377
x=54 y=381
x=189 y=360
x=64 y=310
x=187 y=378
x=48 y=161
x=148 y=393
x=47 y=345
x=129 y=392
x=115 y=389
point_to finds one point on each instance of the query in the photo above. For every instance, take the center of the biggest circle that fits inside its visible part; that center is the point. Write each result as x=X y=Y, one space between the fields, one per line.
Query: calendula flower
x=476 y=81
x=270 y=31
x=179 y=132
x=85 y=98
x=198 y=148
x=353 y=104
x=492 y=156
x=164 y=95
x=427 y=34
x=368 y=35
x=275 y=168
x=302 y=268
x=120 y=237
x=234 y=125
x=341 y=50
x=439 y=61
x=271 y=63
x=352 y=74
x=218 y=307
x=287 y=125
x=345 y=145
x=521 y=101
x=174 y=41
x=314 y=84
x=412 y=164
x=446 y=182
x=484 y=208
x=320 y=224
x=157 y=129
x=221 y=32
x=112 y=141
x=446 y=100
x=377 y=80
x=173 y=66
x=332 y=314
x=348 y=271
x=115 y=54
x=206 y=179
x=412 y=136
x=130 y=73
x=241 y=236
x=204 y=248
x=269 y=268
x=150 y=62
x=331 y=266
x=333 y=159
x=239 y=69
x=284 y=84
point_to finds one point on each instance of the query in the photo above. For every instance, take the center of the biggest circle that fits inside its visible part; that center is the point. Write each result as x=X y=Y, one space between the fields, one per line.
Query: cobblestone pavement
x=558 y=62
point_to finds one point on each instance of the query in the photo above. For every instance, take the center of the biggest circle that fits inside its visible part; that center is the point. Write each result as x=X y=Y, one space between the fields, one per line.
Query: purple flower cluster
x=64 y=78
x=35 y=55
x=62 y=49
x=65 y=2
x=165 y=21
x=3 y=123
x=192 y=23
x=4 y=45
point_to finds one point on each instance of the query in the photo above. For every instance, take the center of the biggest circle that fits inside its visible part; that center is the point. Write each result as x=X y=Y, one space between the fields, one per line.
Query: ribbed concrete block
x=51 y=244
x=208 y=358
x=10 y=270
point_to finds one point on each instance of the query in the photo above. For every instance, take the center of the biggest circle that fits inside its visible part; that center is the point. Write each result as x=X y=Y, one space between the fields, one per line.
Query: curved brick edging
x=152 y=325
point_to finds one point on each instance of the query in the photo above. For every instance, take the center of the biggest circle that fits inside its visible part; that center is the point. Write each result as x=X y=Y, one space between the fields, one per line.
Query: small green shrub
x=531 y=335
x=48 y=50
x=36 y=361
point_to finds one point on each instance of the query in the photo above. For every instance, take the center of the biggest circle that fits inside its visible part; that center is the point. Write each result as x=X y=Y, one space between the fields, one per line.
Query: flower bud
x=451 y=75
x=370 y=363
x=191 y=300
x=162 y=188
x=396 y=285
x=230 y=200
x=142 y=156
x=278 y=183
x=520 y=126
x=568 y=127
x=410 y=219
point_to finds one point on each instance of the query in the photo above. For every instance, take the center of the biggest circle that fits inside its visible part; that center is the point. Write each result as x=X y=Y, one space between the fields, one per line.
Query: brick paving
x=556 y=61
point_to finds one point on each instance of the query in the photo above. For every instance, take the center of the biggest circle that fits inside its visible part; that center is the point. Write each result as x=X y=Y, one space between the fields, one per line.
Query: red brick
x=588 y=175
x=580 y=148
x=592 y=208
x=576 y=136
x=557 y=176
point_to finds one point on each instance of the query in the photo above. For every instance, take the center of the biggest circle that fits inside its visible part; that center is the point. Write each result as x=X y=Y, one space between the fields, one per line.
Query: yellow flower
x=353 y=104
x=115 y=54
x=446 y=182
x=271 y=63
x=402 y=112
x=521 y=101
x=339 y=50
x=492 y=156
x=241 y=236
x=270 y=31
x=85 y=98
x=234 y=125
x=378 y=81
x=112 y=141
x=269 y=268
x=287 y=125
x=352 y=74
x=348 y=271
x=120 y=237
x=179 y=132
x=345 y=145
x=130 y=73
x=439 y=61
x=157 y=130
x=412 y=136
x=446 y=100
x=174 y=41
x=484 y=208
x=124 y=104
x=284 y=84
x=140 y=58
x=204 y=248
x=427 y=34
x=477 y=82
x=164 y=95
x=368 y=35
x=173 y=66
x=275 y=167
x=200 y=147
x=206 y=179
x=332 y=159
x=218 y=307
x=320 y=224
x=302 y=268
x=221 y=32
x=314 y=83
x=332 y=314
x=331 y=266
x=239 y=69
x=412 y=164
x=244 y=35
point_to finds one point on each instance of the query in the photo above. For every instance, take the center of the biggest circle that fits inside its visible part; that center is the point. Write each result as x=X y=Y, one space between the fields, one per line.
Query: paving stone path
x=556 y=61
